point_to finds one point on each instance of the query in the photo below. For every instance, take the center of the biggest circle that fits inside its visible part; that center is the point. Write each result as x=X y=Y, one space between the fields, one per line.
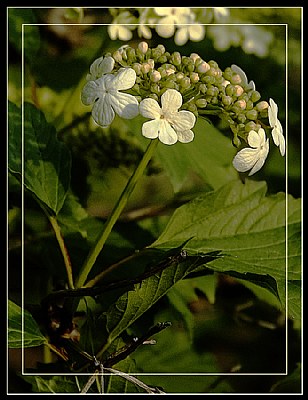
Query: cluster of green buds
x=158 y=83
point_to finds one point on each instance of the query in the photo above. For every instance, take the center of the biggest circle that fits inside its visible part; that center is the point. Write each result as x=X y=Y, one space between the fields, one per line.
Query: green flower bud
x=153 y=96
x=230 y=90
x=185 y=83
x=155 y=88
x=201 y=103
x=241 y=118
x=117 y=55
x=249 y=105
x=194 y=77
x=162 y=59
x=179 y=76
x=236 y=141
x=227 y=100
x=208 y=79
x=131 y=55
x=250 y=126
x=176 y=58
x=255 y=96
x=202 y=87
x=137 y=68
x=252 y=114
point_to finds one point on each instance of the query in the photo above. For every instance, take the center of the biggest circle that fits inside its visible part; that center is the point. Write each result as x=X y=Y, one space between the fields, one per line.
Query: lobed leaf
x=23 y=335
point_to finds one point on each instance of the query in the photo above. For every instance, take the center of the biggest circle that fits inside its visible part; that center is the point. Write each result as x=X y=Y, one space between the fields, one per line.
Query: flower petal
x=101 y=66
x=102 y=112
x=272 y=112
x=171 y=101
x=149 y=108
x=185 y=136
x=124 y=104
x=90 y=92
x=165 y=28
x=181 y=36
x=150 y=129
x=245 y=159
x=183 y=120
x=166 y=133
x=256 y=139
x=124 y=79
x=196 y=32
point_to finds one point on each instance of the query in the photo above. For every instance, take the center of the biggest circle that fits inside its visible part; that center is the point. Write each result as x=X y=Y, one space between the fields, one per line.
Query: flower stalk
x=115 y=214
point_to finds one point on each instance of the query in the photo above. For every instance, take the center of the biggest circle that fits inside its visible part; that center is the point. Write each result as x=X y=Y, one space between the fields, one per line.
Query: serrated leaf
x=250 y=230
x=47 y=161
x=18 y=337
x=132 y=304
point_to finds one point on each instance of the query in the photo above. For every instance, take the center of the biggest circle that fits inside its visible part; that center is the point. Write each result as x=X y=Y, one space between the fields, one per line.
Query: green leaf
x=132 y=304
x=47 y=162
x=289 y=384
x=31 y=38
x=52 y=384
x=249 y=228
x=20 y=336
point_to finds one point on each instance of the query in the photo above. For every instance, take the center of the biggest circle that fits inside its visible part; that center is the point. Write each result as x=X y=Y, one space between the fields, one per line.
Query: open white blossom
x=194 y=31
x=107 y=98
x=252 y=157
x=171 y=18
x=169 y=125
x=101 y=66
x=277 y=131
x=241 y=73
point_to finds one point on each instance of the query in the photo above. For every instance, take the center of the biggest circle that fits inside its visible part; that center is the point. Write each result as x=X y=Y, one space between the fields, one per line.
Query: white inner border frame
x=286 y=199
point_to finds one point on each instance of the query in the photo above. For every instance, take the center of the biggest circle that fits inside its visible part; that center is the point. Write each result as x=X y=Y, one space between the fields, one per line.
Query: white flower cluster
x=184 y=24
x=112 y=89
x=253 y=157
x=104 y=91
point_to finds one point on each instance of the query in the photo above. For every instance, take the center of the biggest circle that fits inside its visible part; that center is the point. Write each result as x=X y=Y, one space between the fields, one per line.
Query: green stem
x=116 y=212
x=64 y=251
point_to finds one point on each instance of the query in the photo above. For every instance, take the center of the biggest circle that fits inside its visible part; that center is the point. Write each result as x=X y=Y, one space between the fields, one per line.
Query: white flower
x=252 y=157
x=101 y=66
x=171 y=17
x=241 y=73
x=108 y=100
x=121 y=32
x=277 y=134
x=169 y=125
x=194 y=32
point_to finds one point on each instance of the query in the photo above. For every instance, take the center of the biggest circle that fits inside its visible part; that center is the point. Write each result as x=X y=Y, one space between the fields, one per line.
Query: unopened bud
x=194 y=77
x=235 y=79
x=203 y=67
x=252 y=114
x=143 y=47
x=238 y=90
x=155 y=76
x=263 y=105
x=201 y=103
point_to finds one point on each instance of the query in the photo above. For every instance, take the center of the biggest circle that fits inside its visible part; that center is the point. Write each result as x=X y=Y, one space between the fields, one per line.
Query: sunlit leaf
x=250 y=230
